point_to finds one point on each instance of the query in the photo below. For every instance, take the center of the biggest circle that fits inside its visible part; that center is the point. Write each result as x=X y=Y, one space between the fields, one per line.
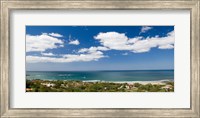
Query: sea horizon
x=96 y=70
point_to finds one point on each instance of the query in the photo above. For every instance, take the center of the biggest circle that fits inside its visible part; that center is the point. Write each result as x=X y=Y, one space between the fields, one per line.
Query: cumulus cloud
x=93 y=49
x=168 y=46
x=42 y=42
x=119 y=41
x=55 y=34
x=145 y=29
x=74 y=42
x=93 y=56
x=113 y=40
x=48 y=54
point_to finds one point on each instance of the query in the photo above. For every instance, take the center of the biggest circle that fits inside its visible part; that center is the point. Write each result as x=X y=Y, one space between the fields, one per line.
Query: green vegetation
x=79 y=86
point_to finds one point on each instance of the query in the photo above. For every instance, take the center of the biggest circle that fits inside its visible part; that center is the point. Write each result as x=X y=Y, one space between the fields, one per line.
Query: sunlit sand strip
x=161 y=82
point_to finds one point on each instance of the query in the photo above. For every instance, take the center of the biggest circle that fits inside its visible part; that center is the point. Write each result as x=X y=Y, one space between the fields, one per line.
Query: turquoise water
x=129 y=75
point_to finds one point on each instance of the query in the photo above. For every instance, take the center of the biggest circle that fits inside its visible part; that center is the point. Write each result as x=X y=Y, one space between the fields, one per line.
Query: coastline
x=161 y=82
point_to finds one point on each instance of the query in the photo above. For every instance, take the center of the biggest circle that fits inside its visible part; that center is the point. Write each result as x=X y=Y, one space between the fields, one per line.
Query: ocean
x=115 y=76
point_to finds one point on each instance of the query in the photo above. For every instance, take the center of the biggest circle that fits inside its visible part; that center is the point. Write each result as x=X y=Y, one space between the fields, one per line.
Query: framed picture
x=100 y=58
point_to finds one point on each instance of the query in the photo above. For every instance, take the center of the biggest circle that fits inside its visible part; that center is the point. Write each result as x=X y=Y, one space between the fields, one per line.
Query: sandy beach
x=159 y=82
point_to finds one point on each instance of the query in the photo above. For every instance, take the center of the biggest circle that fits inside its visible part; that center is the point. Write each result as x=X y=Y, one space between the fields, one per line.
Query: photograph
x=99 y=58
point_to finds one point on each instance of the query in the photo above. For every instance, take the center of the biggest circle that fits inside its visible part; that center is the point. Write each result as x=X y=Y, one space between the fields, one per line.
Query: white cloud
x=93 y=56
x=141 y=50
x=145 y=29
x=74 y=42
x=42 y=42
x=119 y=41
x=134 y=40
x=114 y=40
x=93 y=49
x=55 y=34
x=168 y=46
x=48 y=54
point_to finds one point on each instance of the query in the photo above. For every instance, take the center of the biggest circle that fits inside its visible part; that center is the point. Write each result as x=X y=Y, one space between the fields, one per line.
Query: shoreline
x=145 y=82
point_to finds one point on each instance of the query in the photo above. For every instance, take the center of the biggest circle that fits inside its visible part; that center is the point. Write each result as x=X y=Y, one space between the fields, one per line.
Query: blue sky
x=69 y=48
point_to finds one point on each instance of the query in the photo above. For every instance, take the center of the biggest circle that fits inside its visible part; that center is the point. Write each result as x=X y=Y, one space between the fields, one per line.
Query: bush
x=137 y=84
